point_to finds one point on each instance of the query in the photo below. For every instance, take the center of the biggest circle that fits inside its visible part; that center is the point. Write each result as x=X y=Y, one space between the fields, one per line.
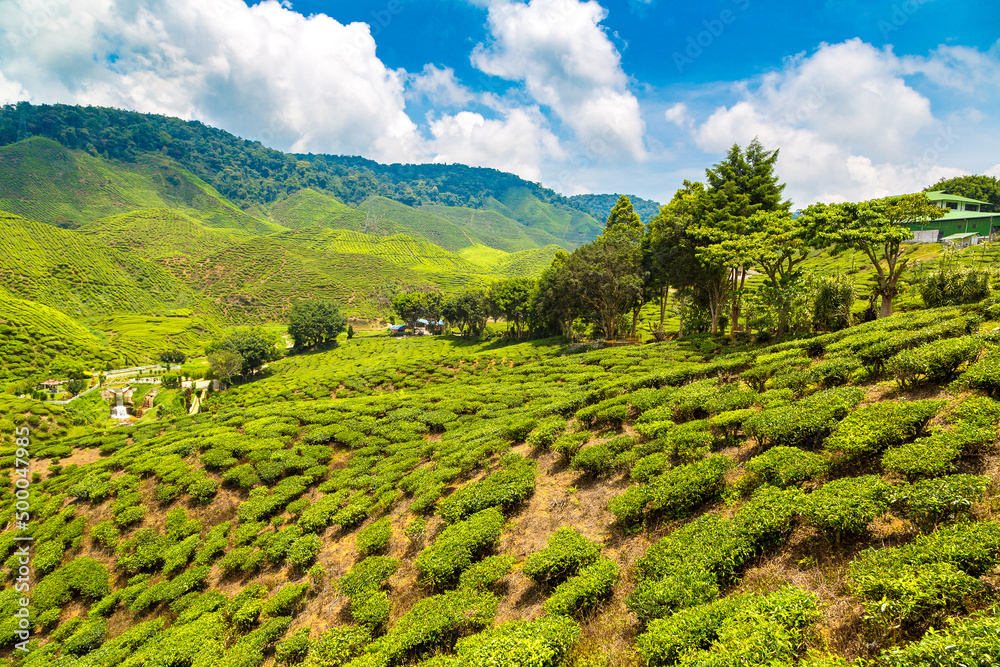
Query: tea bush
x=434 y=623
x=487 y=574
x=505 y=489
x=930 y=502
x=805 y=422
x=592 y=584
x=337 y=646
x=756 y=631
x=544 y=642
x=973 y=642
x=286 y=600
x=565 y=553
x=369 y=574
x=457 y=547
x=933 y=575
x=374 y=537
x=846 y=506
x=936 y=454
x=937 y=361
x=984 y=375
x=782 y=466
x=874 y=428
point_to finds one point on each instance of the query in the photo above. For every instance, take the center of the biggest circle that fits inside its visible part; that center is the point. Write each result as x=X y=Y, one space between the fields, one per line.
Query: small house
x=962 y=216
x=960 y=240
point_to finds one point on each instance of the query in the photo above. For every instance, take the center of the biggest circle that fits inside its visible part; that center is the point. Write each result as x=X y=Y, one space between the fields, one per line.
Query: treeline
x=701 y=251
x=251 y=174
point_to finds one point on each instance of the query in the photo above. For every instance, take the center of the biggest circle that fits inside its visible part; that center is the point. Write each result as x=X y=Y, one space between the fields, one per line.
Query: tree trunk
x=680 y=328
x=664 y=293
x=886 y=309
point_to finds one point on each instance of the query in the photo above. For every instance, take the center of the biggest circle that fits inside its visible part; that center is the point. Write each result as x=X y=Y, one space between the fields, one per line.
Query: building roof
x=959 y=237
x=964 y=215
x=938 y=195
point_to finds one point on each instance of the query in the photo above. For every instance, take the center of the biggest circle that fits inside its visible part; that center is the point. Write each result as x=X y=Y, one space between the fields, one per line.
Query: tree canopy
x=983 y=188
x=315 y=323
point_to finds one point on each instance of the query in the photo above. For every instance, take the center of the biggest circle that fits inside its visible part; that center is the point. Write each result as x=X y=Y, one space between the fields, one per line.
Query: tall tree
x=876 y=228
x=738 y=187
x=623 y=217
x=511 y=298
x=255 y=347
x=607 y=278
x=554 y=307
x=313 y=323
x=670 y=252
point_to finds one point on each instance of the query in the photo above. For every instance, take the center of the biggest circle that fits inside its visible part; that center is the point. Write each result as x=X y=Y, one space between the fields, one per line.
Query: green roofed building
x=964 y=216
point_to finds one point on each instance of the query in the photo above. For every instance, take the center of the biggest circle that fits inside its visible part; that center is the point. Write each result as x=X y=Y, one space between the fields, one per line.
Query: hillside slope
x=81 y=276
x=437 y=502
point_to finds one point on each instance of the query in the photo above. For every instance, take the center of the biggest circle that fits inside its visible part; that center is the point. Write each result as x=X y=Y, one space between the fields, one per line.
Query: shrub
x=286 y=600
x=650 y=466
x=874 y=428
x=594 y=460
x=90 y=635
x=546 y=432
x=750 y=630
x=303 y=551
x=680 y=489
x=783 y=466
x=293 y=649
x=455 y=549
x=433 y=623
x=368 y=575
x=984 y=375
x=947 y=286
x=727 y=424
x=568 y=444
x=933 y=575
x=487 y=574
x=374 y=537
x=505 y=489
x=544 y=642
x=972 y=642
x=936 y=454
x=566 y=552
x=804 y=422
x=337 y=646
x=835 y=372
x=936 y=361
x=371 y=610
x=930 y=502
x=215 y=544
x=106 y=534
x=590 y=585
x=687 y=567
x=847 y=506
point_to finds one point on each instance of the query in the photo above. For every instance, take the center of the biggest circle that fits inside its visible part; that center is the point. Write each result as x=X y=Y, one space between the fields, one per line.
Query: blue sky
x=864 y=98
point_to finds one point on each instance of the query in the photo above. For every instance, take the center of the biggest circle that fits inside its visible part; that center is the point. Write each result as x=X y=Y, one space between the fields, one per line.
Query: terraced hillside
x=81 y=276
x=37 y=341
x=429 y=501
x=42 y=180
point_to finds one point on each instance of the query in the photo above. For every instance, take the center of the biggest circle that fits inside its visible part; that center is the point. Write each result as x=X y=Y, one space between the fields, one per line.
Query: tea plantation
x=824 y=501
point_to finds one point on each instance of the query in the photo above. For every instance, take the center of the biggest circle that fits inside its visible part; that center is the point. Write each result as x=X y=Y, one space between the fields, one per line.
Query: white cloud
x=678 y=115
x=440 y=87
x=961 y=68
x=558 y=49
x=848 y=126
x=993 y=171
x=519 y=143
x=304 y=84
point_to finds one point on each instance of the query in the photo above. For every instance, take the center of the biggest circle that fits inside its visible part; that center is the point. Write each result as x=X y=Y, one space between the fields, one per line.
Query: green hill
x=599 y=206
x=308 y=208
x=42 y=180
x=81 y=276
x=164 y=235
x=431 y=501
x=37 y=341
x=256 y=179
x=524 y=263
x=493 y=229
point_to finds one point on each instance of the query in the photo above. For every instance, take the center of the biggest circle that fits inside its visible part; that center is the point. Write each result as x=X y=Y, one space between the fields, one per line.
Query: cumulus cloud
x=518 y=143
x=265 y=72
x=440 y=86
x=558 y=49
x=848 y=125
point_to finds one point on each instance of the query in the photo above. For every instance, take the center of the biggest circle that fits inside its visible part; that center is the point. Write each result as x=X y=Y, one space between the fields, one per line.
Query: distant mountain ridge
x=600 y=205
x=256 y=178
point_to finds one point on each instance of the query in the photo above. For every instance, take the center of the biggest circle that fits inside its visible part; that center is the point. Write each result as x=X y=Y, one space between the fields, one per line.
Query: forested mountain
x=599 y=205
x=255 y=177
